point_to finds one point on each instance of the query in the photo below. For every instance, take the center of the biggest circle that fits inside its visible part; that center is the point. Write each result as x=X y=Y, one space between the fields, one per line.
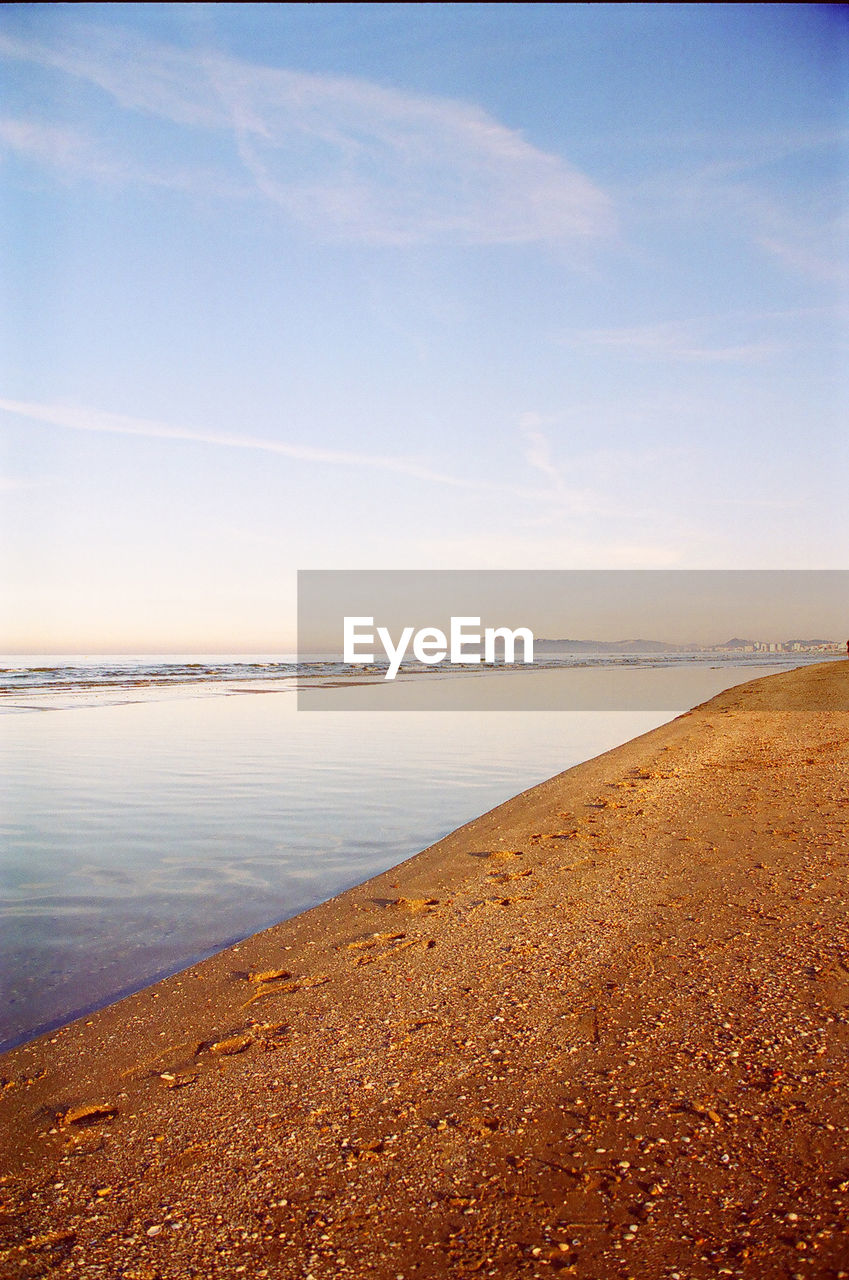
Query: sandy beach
x=601 y=1030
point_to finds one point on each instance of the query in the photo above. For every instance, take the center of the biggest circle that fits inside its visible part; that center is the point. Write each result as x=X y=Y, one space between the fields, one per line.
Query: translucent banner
x=559 y=640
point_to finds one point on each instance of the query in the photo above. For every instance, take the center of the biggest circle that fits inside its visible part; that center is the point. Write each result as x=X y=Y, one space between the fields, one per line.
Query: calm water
x=145 y=825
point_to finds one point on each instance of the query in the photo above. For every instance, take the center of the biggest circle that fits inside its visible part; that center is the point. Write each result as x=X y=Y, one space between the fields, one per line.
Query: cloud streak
x=50 y=144
x=75 y=418
x=538 y=450
x=73 y=153
x=78 y=419
x=351 y=160
x=677 y=341
x=764 y=199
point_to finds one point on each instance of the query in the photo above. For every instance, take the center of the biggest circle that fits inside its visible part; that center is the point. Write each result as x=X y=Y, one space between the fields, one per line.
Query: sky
x=410 y=286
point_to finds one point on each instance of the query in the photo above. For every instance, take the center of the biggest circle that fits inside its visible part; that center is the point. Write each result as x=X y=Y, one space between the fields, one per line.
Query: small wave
x=134 y=676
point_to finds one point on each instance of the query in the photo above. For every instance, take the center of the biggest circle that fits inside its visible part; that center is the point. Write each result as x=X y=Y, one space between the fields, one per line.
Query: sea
x=156 y=808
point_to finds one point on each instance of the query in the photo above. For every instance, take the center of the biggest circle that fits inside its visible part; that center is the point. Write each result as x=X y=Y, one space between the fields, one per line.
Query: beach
x=600 y=1030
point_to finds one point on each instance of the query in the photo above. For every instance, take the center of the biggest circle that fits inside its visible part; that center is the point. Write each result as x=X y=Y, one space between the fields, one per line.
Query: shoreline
x=150 y=863
x=474 y=1059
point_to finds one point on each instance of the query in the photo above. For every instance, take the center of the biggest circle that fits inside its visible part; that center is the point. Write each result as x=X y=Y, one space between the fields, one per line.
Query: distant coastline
x=735 y=645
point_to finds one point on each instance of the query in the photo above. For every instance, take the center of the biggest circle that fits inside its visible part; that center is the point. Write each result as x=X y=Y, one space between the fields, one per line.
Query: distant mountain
x=812 y=644
x=610 y=646
x=736 y=643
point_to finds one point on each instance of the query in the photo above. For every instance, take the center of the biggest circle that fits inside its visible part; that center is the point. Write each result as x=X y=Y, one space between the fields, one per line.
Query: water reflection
x=138 y=838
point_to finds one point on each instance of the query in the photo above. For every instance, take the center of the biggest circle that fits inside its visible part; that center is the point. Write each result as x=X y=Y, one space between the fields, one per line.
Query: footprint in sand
x=172 y=1081
x=416 y=904
x=277 y=987
x=383 y=946
x=268 y=975
x=555 y=835
x=375 y=940
x=85 y=1113
x=267 y=1035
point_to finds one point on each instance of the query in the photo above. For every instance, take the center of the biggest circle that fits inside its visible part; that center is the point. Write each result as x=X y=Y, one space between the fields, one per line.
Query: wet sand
x=601 y=1030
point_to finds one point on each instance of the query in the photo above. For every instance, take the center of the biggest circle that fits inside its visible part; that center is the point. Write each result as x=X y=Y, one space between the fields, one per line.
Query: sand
x=601 y=1030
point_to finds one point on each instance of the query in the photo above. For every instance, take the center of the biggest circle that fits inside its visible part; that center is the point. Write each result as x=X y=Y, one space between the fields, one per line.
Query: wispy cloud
x=51 y=144
x=765 y=198
x=75 y=154
x=549 y=551
x=821 y=260
x=538 y=449
x=558 y=501
x=18 y=484
x=75 y=418
x=808 y=234
x=140 y=74
x=350 y=159
x=80 y=419
x=678 y=341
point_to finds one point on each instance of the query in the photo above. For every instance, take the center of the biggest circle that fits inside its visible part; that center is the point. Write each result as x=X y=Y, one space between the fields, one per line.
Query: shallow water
x=139 y=836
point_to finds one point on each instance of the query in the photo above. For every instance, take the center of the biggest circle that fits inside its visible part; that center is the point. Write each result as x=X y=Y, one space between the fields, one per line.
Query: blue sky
x=434 y=286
